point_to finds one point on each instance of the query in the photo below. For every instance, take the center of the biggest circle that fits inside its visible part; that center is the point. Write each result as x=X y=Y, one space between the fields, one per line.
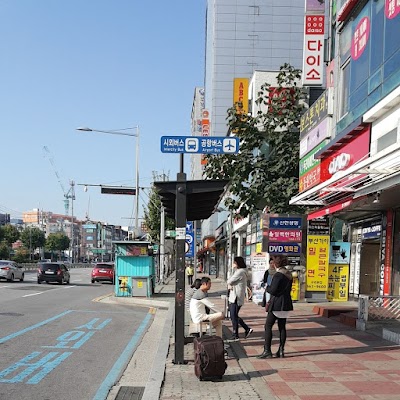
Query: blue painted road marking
x=30 y=328
x=122 y=361
x=45 y=365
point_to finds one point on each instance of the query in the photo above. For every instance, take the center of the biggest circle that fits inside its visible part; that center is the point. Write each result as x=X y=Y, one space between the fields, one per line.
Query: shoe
x=280 y=353
x=265 y=354
x=233 y=339
x=248 y=333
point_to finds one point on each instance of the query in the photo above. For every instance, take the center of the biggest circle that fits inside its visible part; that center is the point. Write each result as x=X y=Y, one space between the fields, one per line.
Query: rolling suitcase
x=209 y=357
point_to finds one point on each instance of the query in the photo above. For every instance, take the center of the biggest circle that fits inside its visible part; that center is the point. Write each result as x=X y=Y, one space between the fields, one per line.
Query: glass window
x=345 y=43
x=392 y=35
x=344 y=90
x=377 y=35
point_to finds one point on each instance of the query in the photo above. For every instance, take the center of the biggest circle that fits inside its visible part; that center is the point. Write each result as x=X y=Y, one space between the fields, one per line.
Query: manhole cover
x=130 y=393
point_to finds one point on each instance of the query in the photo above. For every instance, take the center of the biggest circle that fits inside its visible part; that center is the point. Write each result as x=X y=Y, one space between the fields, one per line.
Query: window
x=344 y=90
x=387 y=140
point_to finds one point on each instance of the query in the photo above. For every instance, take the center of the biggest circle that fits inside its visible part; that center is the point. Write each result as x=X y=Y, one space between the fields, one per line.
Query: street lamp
x=136 y=135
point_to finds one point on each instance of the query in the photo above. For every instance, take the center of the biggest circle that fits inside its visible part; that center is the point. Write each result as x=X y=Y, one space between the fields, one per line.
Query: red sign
x=346 y=9
x=315 y=24
x=285 y=235
x=329 y=210
x=360 y=38
x=310 y=179
x=392 y=8
x=349 y=154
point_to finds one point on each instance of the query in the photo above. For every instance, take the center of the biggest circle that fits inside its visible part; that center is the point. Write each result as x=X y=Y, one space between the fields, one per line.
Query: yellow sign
x=241 y=95
x=295 y=289
x=317 y=263
x=123 y=283
x=139 y=284
x=258 y=247
x=338 y=282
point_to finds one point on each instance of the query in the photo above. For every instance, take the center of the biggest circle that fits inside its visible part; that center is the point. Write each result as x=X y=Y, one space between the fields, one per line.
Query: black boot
x=280 y=353
x=265 y=354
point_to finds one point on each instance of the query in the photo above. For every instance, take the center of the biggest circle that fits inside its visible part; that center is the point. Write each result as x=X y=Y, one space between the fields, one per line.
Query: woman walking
x=237 y=285
x=280 y=305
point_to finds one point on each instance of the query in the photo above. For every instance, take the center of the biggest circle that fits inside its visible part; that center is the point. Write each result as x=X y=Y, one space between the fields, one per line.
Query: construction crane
x=70 y=194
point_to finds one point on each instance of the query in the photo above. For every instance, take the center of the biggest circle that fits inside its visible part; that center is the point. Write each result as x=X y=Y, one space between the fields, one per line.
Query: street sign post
x=203 y=145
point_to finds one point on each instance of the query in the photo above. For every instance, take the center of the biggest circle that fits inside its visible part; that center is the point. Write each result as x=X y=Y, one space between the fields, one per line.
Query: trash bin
x=134 y=269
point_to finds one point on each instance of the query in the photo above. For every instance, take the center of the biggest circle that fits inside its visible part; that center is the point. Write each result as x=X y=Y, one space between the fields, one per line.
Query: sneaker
x=248 y=333
x=233 y=339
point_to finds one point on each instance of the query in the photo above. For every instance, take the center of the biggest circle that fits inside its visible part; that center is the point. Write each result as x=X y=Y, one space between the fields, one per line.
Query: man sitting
x=198 y=305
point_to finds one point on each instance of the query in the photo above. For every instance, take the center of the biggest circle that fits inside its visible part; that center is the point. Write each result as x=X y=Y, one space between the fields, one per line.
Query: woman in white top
x=237 y=285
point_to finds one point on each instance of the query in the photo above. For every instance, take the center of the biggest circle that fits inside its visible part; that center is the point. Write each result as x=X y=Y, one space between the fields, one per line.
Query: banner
x=317 y=263
x=338 y=282
x=259 y=264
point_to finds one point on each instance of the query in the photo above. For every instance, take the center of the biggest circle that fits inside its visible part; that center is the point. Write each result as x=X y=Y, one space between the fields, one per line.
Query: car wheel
x=62 y=281
x=67 y=281
x=22 y=278
x=39 y=281
x=92 y=280
x=11 y=279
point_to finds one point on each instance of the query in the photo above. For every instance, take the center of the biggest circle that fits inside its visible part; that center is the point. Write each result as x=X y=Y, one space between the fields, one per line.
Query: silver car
x=10 y=270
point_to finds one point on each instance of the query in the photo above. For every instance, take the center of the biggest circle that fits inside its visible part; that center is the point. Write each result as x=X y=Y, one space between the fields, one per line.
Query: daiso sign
x=349 y=154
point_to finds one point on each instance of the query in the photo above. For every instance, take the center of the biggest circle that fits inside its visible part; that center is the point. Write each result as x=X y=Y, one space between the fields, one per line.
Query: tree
x=21 y=255
x=33 y=237
x=265 y=173
x=152 y=216
x=57 y=242
x=4 y=251
x=10 y=234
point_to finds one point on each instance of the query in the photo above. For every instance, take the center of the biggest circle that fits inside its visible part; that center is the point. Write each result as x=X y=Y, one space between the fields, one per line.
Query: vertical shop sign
x=317 y=263
x=313 y=54
x=240 y=95
x=205 y=131
x=295 y=293
x=259 y=264
x=392 y=8
x=360 y=38
x=388 y=252
x=338 y=280
x=357 y=268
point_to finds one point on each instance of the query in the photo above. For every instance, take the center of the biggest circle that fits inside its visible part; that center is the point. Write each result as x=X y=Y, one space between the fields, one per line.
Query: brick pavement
x=324 y=359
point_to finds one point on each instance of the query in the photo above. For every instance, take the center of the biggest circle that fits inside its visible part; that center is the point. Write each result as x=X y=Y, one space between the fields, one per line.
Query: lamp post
x=136 y=135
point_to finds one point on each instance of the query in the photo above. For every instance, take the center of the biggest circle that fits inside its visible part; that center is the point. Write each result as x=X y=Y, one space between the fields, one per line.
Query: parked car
x=103 y=272
x=53 y=272
x=10 y=270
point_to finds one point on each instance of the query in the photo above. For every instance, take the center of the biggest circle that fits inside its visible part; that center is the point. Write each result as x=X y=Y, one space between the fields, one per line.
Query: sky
x=103 y=64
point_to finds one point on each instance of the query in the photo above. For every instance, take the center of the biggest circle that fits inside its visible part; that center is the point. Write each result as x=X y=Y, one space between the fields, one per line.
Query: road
x=56 y=343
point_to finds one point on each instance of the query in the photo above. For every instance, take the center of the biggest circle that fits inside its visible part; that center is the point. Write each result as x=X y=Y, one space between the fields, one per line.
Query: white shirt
x=197 y=308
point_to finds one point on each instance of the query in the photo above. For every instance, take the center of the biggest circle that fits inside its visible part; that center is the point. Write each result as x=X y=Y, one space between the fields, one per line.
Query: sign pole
x=180 y=220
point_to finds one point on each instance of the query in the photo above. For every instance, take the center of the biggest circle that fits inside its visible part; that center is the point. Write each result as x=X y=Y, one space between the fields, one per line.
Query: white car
x=10 y=270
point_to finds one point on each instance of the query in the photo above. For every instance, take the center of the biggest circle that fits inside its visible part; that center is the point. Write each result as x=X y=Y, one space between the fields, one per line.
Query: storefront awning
x=330 y=209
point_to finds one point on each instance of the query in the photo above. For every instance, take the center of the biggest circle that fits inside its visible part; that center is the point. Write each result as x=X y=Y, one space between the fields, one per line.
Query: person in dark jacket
x=280 y=305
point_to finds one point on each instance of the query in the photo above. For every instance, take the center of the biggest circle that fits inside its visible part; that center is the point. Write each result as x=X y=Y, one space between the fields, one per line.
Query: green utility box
x=134 y=269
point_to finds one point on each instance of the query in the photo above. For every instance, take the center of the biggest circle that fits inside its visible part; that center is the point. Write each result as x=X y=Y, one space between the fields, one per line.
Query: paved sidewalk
x=324 y=360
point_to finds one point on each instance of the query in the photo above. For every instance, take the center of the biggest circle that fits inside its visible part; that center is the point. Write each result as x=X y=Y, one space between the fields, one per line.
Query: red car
x=103 y=272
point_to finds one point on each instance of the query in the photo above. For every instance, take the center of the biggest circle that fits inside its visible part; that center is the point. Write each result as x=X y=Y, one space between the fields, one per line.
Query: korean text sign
x=338 y=282
x=317 y=263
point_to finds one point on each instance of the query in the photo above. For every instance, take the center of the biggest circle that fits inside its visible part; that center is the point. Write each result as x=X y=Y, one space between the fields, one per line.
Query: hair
x=196 y=284
x=205 y=279
x=281 y=261
x=240 y=262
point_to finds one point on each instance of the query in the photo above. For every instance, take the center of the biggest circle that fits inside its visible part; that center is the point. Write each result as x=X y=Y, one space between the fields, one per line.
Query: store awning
x=330 y=209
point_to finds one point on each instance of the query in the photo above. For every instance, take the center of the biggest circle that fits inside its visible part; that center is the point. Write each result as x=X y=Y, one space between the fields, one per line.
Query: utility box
x=134 y=269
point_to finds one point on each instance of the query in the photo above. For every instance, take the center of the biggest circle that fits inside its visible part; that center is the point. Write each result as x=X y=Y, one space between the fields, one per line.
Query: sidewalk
x=324 y=359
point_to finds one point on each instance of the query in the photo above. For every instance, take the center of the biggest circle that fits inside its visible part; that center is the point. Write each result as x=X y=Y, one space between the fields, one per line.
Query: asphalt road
x=56 y=343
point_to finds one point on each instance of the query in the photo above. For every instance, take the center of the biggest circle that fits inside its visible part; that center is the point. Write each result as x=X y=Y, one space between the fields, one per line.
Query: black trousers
x=236 y=320
x=269 y=323
x=190 y=280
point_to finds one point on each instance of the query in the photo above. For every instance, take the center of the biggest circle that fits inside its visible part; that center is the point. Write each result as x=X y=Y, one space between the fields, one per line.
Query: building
x=351 y=172
x=242 y=36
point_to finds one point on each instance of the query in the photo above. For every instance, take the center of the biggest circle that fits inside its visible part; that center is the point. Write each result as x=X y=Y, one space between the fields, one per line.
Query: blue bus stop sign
x=200 y=144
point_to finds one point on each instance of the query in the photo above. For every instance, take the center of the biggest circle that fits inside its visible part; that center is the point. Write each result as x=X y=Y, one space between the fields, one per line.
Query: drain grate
x=130 y=393
x=11 y=314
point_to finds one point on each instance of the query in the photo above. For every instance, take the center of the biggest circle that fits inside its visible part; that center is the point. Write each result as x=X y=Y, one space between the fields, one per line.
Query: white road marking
x=4 y=286
x=33 y=294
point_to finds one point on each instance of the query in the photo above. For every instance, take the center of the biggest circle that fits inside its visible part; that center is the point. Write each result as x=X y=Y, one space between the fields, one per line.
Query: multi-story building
x=350 y=150
x=243 y=36
x=4 y=219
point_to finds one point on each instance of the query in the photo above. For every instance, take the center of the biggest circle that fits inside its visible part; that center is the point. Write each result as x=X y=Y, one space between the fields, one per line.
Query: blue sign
x=339 y=253
x=285 y=222
x=201 y=144
x=371 y=232
x=189 y=241
x=284 y=248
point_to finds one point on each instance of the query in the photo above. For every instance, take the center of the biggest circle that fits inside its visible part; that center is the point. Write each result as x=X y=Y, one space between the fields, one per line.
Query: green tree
x=21 y=255
x=265 y=173
x=10 y=234
x=57 y=242
x=1 y=233
x=33 y=238
x=152 y=216
x=4 y=251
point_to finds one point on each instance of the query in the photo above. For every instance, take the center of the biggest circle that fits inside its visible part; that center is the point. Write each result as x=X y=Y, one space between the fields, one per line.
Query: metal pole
x=162 y=244
x=137 y=184
x=72 y=219
x=230 y=253
x=180 y=220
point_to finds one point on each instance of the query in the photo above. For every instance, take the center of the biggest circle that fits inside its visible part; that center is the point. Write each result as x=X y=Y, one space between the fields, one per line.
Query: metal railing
x=378 y=308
